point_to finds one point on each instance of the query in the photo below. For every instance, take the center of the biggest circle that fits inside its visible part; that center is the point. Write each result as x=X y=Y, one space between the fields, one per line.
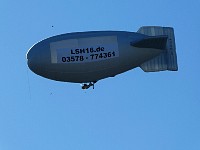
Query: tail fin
x=167 y=60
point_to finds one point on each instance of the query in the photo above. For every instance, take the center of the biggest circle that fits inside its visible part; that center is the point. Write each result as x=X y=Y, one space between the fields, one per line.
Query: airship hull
x=89 y=56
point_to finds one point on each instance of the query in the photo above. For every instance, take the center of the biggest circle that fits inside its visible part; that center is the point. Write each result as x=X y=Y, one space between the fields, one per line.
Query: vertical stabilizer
x=167 y=60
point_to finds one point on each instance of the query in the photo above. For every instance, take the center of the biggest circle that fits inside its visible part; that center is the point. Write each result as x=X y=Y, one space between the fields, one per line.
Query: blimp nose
x=31 y=61
x=34 y=60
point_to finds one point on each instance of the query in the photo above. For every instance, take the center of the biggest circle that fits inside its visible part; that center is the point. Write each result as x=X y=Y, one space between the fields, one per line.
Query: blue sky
x=134 y=110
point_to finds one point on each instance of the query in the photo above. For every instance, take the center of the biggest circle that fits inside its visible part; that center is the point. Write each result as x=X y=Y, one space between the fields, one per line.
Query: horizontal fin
x=157 y=42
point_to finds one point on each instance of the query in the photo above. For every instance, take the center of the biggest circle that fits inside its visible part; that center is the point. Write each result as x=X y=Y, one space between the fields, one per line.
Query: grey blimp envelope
x=87 y=57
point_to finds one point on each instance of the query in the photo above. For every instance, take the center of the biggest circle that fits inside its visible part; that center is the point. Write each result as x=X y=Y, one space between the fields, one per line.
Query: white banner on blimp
x=84 y=50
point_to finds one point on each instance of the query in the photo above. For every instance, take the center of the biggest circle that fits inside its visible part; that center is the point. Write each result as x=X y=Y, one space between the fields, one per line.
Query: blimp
x=87 y=57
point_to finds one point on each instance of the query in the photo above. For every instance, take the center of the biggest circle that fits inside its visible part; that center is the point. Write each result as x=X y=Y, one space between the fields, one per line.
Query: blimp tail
x=167 y=60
